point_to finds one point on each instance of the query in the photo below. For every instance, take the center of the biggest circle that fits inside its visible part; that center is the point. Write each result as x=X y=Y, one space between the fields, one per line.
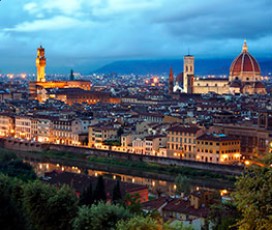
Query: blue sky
x=94 y=32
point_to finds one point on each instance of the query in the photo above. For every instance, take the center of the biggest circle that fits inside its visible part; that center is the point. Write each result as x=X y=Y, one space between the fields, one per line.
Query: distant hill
x=202 y=66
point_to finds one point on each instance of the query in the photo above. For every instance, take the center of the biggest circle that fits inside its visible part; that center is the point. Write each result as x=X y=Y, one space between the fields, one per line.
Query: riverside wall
x=25 y=146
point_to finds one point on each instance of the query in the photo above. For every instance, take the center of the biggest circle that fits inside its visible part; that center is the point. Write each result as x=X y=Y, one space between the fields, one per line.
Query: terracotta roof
x=259 y=85
x=183 y=206
x=155 y=204
x=216 y=137
x=245 y=62
x=184 y=129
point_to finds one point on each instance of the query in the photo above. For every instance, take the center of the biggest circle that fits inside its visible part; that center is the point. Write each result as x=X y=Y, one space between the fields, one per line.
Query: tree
x=183 y=184
x=120 y=131
x=99 y=192
x=11 y=212
x=62 y=208
x=139 y=223
x=148 y=223
x=132 y=202
x=100 y=216
x=12 y=166
x=35 y=202
x=116 y=194
x=49 y=208
x=253 y=196
x=86 y=198
x=223 y=216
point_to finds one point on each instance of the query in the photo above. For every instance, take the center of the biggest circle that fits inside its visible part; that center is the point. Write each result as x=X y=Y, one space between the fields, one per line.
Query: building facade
x=244 y=77
x=218 y=148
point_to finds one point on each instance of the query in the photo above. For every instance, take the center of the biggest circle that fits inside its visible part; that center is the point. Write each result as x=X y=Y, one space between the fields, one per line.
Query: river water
x=155 y=186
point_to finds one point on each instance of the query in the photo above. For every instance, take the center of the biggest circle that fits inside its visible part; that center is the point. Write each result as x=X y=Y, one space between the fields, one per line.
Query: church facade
x=244 y=77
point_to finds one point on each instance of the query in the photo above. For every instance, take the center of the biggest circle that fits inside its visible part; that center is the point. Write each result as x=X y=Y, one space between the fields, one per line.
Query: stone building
x=244 y=77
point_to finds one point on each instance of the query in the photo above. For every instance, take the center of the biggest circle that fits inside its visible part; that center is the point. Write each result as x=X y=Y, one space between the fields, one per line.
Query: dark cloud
x=76 y=32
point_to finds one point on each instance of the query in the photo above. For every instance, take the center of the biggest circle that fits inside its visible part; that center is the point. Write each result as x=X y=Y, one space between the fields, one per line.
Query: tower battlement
x=41 y=64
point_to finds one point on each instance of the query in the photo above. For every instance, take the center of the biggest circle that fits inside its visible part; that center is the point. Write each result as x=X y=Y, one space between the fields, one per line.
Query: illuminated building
x=7 y=124
x=218 y=148
x=181 y=141
x=26 y=128
x=40 y=64
x=99 y=133
x=244 y=77
x=70 y=92
x=69 y=131
x=35 y=87
x=255 y=138
x=45 y=129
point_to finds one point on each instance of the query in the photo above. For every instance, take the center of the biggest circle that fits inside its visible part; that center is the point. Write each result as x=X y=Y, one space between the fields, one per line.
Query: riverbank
x=128 y=167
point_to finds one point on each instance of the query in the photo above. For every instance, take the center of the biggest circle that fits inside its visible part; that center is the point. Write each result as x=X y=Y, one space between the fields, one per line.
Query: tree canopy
x=253 y=197
x=100 y=216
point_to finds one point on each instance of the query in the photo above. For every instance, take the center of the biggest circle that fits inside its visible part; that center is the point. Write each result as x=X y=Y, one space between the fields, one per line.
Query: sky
x=77 y=33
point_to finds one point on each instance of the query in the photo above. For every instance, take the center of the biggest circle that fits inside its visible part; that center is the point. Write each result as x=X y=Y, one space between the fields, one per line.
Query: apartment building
x=218 y=148
x=181 y=141
x=68 y=131
x=99 y=133
x=152 y=144
x=7 y=125
x=26 y=127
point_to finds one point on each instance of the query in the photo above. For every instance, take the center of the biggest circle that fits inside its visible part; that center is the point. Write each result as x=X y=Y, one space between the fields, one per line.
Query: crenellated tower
x=40 y=64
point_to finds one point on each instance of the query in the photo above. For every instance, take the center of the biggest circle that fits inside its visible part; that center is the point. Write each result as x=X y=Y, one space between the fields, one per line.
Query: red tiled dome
x=245 y=62
x=259 y=85
x=235 y=84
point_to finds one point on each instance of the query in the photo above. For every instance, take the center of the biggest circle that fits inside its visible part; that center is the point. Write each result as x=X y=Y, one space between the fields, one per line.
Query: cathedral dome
x=259 y=85
x=245 y=67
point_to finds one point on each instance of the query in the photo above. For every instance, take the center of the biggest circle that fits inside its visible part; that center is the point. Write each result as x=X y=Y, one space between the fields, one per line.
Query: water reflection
x=155 y=186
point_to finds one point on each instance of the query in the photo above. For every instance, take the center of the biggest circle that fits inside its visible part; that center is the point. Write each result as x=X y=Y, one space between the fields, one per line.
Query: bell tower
x=40 y=64
x=171 y=82
x=188 y=73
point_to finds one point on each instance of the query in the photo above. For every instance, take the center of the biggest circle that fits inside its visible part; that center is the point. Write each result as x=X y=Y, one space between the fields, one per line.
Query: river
x=155 y=186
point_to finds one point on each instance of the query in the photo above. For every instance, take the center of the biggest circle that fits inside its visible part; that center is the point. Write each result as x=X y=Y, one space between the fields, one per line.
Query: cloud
x=55 y=23
x=75 y=31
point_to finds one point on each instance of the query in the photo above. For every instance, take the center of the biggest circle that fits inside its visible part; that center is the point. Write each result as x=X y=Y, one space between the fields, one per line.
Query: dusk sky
x=94 y=32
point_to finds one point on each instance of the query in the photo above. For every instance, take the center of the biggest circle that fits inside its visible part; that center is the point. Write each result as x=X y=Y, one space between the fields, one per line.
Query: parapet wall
x=39 y=147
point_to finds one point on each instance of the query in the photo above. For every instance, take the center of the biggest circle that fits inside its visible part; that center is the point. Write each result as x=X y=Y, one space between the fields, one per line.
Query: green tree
x=11 y=212
x=35 y=199
x=120 y=131
x=116 y=193
x=99 y=216
x=253 y=196
x=223 y=216
x=133 y=204
x=86 y=198
x=139 y=223
x=48 y=207
x=63 y=208
x=12 y=166
x=148 y=222
x=183 y=184
x=99 y=192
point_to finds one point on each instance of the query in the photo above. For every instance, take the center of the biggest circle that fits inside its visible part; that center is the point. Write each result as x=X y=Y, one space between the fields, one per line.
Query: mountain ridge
x=202 y=66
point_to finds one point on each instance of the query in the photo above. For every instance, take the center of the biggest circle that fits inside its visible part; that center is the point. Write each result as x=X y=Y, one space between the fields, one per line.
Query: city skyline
x=91 y=34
